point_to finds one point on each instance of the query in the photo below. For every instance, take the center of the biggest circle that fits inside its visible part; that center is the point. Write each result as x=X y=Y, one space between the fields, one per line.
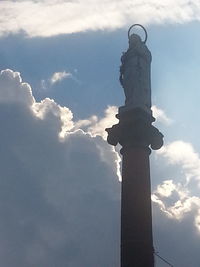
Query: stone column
x=135 y=134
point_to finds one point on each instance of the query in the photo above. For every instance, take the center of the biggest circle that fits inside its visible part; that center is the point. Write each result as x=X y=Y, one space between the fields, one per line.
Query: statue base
x=135 y=129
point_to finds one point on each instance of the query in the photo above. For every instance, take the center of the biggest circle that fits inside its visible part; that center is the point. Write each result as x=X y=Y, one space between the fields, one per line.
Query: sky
x=59 y=90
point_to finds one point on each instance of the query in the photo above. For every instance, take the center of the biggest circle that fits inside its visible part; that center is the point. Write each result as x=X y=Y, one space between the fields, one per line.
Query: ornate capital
x=135 y=129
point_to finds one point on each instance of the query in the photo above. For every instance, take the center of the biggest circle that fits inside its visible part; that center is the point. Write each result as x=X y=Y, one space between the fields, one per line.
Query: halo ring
x=146 y=36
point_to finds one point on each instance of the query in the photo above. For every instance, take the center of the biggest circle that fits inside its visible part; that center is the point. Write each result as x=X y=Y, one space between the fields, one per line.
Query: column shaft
x=136 y=217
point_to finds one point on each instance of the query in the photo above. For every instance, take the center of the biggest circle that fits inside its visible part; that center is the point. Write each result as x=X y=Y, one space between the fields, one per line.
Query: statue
x=135 y=128
x=135 y=72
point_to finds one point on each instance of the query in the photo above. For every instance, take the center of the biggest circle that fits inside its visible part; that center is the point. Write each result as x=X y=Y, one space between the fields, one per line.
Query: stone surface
x=135 y=129
x=135 y=75
x=136 y=227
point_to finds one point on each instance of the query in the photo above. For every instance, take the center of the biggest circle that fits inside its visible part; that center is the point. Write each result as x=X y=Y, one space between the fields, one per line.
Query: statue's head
x=134 y=40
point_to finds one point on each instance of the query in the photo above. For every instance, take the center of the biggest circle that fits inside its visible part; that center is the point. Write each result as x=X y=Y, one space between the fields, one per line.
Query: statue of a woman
x=135 y=72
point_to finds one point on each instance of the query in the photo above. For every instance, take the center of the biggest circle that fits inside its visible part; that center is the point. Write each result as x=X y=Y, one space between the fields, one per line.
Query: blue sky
x=60 y=189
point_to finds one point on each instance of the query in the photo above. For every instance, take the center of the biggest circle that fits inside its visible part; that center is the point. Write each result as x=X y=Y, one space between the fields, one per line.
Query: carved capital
x=135 y=129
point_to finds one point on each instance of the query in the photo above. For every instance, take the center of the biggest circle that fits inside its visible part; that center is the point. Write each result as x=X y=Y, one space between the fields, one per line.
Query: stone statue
x=135 y=72
x=135 y=128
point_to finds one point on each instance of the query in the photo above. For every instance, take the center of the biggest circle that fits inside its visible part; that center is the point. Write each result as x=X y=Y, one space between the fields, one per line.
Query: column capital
x=135 y=129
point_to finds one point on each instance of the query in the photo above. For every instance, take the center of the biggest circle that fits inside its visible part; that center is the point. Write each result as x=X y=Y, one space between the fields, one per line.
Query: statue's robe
x=136 y=76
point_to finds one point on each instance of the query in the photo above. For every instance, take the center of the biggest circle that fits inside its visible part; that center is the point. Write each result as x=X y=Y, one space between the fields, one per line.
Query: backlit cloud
x=178 y=197
x=53 y=17
x=161 y=116
x=60 y=190
x=97 y=126
x=59 y=195
x=183 y=154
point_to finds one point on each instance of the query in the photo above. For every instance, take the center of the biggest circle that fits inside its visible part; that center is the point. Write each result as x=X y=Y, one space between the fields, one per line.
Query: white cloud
x=59 y=196
x=161 y=116
x=197 y=220
x=96 y=126
x=178 y=208
x=177 y=199
x=52 y=17
x=166 y=188
x=47 y=108
x=18 y=92
x=183 y=154
x=59 y=76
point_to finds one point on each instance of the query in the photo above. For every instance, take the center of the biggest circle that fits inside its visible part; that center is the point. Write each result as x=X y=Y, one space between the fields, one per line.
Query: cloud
x=161 y=116
x=179 y=198
x=59 y=195
x=97 y=126
x=59 y=76
x=166 y=188
x=18 y=92
x=183 y=154
x=176 y=203
x=52 y=17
